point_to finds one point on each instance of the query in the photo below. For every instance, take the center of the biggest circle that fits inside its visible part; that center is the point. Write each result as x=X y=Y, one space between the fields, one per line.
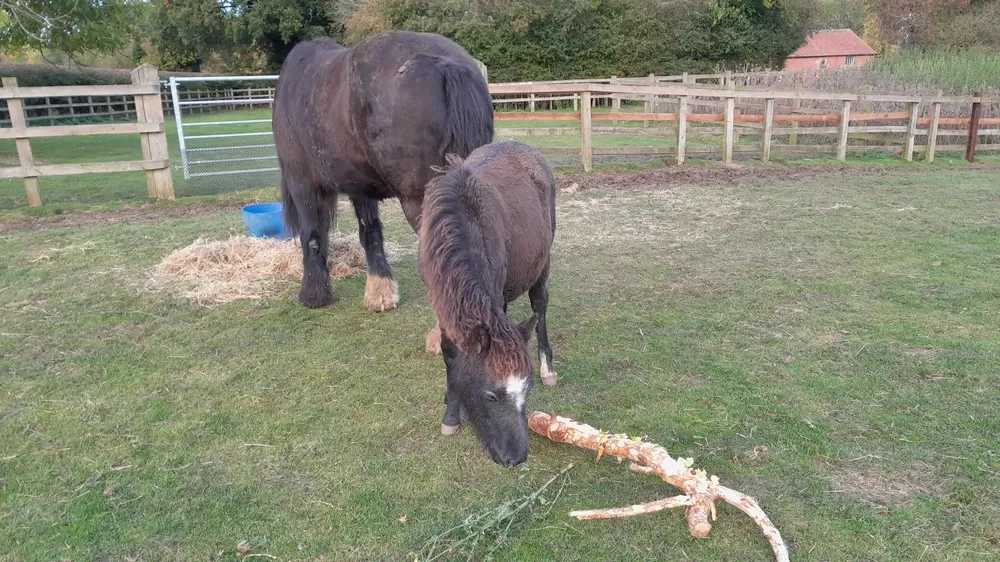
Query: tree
x=68 y=26
x=973 y=27
x=273 y=27
x=185 y=33
x=906 y=24
x=842 y=14
x=551 y=39
x=751 y=33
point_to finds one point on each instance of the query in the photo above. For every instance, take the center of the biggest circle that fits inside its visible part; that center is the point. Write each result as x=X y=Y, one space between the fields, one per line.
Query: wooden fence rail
x=844 y=124
x=149 y=126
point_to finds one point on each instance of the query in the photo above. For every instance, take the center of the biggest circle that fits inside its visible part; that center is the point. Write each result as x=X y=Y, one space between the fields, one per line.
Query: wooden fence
x=843 y=125
x=149 y=124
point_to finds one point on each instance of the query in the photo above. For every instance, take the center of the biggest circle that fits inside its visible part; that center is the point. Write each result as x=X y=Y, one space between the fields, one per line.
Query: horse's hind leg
x=539 y=296
x=314 y=216
x=381 y=291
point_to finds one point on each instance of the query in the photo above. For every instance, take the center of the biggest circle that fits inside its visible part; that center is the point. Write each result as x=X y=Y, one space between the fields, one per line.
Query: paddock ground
x=824 y=338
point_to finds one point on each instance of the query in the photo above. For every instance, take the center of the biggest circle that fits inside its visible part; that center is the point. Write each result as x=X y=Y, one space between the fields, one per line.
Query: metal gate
x=224 y=132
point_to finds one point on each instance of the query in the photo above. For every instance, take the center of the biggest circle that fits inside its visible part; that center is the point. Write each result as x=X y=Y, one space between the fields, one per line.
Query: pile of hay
x=212 y=272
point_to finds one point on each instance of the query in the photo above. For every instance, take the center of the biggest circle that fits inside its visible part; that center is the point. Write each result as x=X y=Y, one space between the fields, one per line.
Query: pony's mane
x=454 y=268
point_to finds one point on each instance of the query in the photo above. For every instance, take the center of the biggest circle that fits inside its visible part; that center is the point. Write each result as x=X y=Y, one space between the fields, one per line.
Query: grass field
x=827 y=343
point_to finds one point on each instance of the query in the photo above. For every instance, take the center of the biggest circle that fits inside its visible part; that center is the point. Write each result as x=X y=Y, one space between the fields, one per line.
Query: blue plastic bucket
x=265 y=220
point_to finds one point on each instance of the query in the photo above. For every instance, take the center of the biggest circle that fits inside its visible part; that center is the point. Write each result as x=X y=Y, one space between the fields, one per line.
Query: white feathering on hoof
x=549 y=377
x=381 y=293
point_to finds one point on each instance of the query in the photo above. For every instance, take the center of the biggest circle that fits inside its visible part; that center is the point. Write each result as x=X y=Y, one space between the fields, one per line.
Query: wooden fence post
x=682 y=121
x=977 y=113
x=796 y=105
x=933 y=131
x=616 y=100
x=576 y=102
x=586 y=147
x=845 y=124
x=727 y=149
x=765 y=146
x=15 y=107
x=531 y=102
x=731 y=85
x=911 y=130
x=159 y=182
x=649 y=98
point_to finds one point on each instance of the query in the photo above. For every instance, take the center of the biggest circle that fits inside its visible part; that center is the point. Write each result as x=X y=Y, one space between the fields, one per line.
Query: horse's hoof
x=316 y=297
x=549 y=377
x=449 y=430
x=432 y=344
x=381 y=293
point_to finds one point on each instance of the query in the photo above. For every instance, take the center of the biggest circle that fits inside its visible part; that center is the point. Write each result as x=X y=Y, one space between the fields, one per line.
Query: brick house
x=830 y=48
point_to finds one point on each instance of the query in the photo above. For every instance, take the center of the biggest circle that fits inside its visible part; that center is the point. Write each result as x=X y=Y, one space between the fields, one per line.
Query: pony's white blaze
x=517 y=389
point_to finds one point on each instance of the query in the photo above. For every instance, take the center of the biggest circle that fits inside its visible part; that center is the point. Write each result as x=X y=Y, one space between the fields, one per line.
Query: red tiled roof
x=832 y=43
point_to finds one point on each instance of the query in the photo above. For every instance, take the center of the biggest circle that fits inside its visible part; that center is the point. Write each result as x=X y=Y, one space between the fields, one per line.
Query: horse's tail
x=469 y=124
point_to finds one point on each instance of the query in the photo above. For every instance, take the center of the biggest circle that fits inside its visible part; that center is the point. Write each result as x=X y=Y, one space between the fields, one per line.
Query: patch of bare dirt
x=704 y=176
x=881 y=490
x=922 y=352
x=127 y=215
x=734 y=176
x=834 y=339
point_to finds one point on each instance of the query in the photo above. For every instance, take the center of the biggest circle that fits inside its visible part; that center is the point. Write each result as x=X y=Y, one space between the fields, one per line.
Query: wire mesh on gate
x=224 y=133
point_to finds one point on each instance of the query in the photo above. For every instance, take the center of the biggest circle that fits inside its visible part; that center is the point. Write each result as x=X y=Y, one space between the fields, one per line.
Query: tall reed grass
x=963 y=71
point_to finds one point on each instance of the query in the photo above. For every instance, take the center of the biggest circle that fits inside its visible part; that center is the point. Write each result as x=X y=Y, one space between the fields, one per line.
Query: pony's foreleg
x=539 y=296
x=452 y=420
x=432 y=342
x=452 y=410
x=381 y=291
x=314 y=216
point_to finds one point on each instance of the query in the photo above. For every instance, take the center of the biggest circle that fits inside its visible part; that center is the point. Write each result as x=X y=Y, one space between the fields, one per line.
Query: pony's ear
x=439 y=169
x=527 y=327
x=481 y=340
x=453 y=160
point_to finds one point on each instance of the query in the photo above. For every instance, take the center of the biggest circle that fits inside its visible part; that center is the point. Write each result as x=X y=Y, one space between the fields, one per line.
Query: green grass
x=829 y=347
x=963 y=71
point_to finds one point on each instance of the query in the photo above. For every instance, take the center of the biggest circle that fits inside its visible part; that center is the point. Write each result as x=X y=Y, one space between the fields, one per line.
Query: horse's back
x=312 y=121
x=525 y=184
x=415 y=97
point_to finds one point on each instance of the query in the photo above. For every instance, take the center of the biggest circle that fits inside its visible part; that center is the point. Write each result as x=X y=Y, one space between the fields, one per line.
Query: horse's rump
x=370 y=121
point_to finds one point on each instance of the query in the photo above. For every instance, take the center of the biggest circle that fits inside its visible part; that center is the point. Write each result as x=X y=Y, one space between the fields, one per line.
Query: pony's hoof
x=316 y=297
x=432 y=344
x=381 y=293
x=449 y=430
x=550 y=379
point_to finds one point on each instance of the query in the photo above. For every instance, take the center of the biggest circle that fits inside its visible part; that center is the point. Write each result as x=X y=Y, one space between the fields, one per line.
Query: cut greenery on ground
x=828 y=344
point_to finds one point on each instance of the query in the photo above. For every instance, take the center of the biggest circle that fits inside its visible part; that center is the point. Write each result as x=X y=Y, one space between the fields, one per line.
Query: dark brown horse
x=487 y=231
x=369 y=122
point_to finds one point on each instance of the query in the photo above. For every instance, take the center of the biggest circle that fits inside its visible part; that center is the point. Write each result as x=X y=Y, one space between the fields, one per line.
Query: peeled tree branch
x=700 y=490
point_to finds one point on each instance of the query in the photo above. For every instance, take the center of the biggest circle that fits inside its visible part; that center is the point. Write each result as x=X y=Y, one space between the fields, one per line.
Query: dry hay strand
x=214 y=272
